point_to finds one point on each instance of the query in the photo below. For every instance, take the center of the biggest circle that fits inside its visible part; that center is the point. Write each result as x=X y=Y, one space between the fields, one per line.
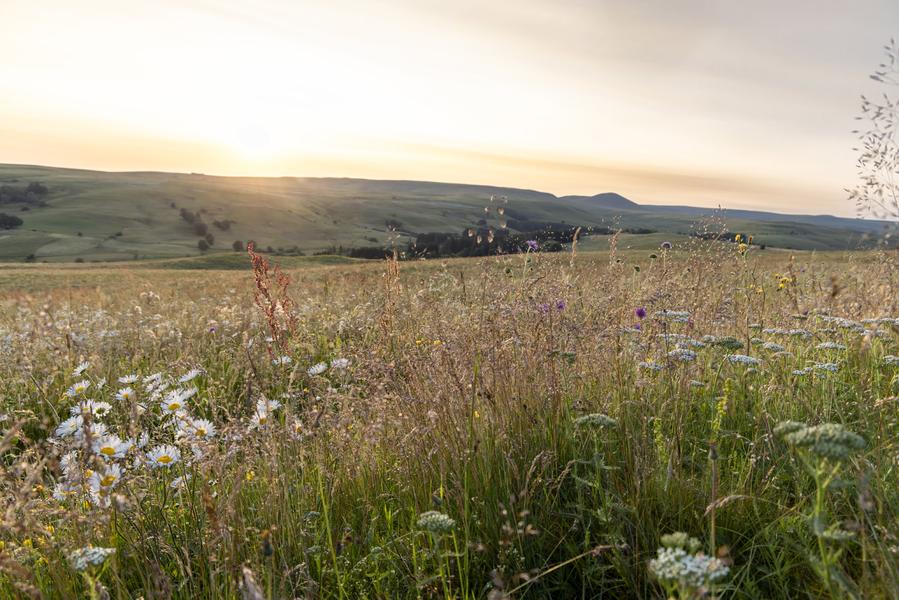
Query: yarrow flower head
x=742 y=359
x=828 y=440
x=691 y=572
x=682 y=355
x=90 y=556
x=436 y=522
x=595 y=420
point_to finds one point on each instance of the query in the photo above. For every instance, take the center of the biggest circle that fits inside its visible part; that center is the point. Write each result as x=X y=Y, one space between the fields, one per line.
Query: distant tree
x=203 y=245
x=9 y=221
x=188 y=216
x=200 y=228
x=877 y=194
x=37 y=189
x=238 y=246
x=79 y=260
x=210 y=239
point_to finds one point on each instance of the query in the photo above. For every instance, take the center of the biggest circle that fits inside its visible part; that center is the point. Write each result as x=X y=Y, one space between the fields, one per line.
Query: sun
x=253 y=142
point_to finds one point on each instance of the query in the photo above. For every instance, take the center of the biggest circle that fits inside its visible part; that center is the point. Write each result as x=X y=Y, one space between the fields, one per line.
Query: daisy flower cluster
x=97 y=455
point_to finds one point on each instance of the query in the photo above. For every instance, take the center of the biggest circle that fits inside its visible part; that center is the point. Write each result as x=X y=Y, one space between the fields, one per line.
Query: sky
x=708 y=103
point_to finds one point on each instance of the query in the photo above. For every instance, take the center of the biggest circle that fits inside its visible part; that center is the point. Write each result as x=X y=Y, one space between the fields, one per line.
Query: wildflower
x=126 y=394
x=340 y=363
x=174 y=401
x=282 y=361
x=891 y=361
x=317 y=369
x=595 y=420
x=742 y=359
x=91 y=407
x=111 y=446
x=560 y=305
x=104 y=482
x=773 y=347
x=78 y=389
x=179 y=481
x=163 y=456
x=264 y=408
x=532 y=245
x=830 y=346
x=190 y=375
x=640 y=312
x=128 y=379
x=682 y=355
x=154 y=378
x=81 y=368
x=830 y=367
x=89 y=556
x=650 y=365
x=201 y=429
x=674 y=566
x=666 y=246
x=676 y=316
x=829 y=440
x=69 y=427
x=436 y=522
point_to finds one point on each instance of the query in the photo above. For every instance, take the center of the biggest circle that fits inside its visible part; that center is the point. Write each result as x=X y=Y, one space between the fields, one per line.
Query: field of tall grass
x=707 y=421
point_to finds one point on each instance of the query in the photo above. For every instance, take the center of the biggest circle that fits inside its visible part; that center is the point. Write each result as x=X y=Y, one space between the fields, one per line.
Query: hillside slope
x=93 y=215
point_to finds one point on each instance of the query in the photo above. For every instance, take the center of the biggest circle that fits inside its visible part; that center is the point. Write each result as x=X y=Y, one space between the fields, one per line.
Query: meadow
x=709 y=420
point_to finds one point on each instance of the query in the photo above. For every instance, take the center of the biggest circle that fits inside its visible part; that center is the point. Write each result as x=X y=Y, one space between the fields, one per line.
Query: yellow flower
x=251 y=475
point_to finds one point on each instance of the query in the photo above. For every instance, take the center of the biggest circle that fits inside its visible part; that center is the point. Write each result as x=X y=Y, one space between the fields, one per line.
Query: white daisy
x=128 y=379
x=163 y=456
x=111 y=446
x=77 y=389
x=126 y=394
x=190 y=375
x=69 y=427
x=81 y=368
x=108 y=479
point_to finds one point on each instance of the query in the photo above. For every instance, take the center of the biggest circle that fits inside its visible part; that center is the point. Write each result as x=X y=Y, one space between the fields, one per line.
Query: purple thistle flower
x=560 y=305
x=640 y=312
x=532 y=245
x=543 y=308
x=666 y=245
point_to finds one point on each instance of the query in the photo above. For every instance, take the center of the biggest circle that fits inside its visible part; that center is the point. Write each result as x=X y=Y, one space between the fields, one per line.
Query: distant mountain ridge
x=96 y=215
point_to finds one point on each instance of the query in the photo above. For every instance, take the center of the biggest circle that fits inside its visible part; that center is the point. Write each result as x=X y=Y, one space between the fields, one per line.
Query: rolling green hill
x=101 y=216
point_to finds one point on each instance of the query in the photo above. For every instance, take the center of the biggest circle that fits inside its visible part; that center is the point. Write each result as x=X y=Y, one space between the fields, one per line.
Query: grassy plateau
x=706 y=421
